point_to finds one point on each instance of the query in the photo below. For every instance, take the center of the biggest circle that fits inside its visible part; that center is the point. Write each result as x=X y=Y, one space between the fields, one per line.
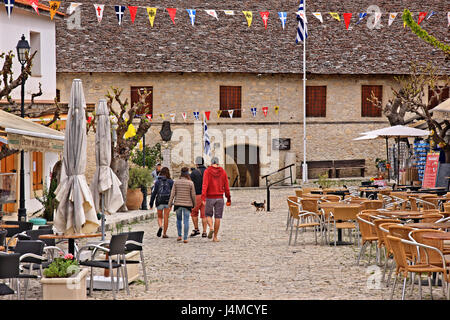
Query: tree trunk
x=447 y=155
x=120 y=168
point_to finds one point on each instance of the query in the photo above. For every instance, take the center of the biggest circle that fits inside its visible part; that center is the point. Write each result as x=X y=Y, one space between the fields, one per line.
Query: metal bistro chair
x=116 y=246
x=368 y=234
x=344 y=218
x=296 y=214
x=290 y=200
x=9 y=269
x=135 y=243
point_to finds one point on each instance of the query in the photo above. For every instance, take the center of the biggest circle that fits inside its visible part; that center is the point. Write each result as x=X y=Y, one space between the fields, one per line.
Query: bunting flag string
x=249 y=16
x=9 y=5
x=73 y=6
x=191 y=13
x=392 y=17
x=149 y=117
x=219 y=113
x=347 y=18
x=184 y=115
x=172 y=117
x=422 y=16
x=120 y=10
x=362 y=15
x=276 y=108
x=54 y=6
x=265 y=110
x=172 y=12
x=133 y=11
x=318 y=15
x=265 y=18
x=35 y=5
x=99 y=8
x=212 y=13
x=229 y=12
x=230 y=112
x=196 y=115
x=336 y=16
x=253 y=109
x=151 y=15
x=431 y=14
x=377 y=18
x=448 y=18
x=162 y=115
x=283 y=17
x=207 y=114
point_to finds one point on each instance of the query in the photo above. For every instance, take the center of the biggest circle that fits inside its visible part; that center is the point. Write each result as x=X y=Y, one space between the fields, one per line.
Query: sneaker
x=158 y=234
x=195 y=233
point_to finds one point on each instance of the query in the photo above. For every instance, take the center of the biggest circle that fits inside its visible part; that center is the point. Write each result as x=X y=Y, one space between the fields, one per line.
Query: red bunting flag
x=207 y=114
x=347 y=18
x=172 y=12
x=265 y=109
x=265 y=17
x=35 y=5
x=133 y=10
x=89 y=119
x=422 y=16
x=149 y=117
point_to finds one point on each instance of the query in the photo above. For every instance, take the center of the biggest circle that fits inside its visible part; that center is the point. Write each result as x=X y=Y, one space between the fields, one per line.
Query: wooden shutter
x=148 y=108
x=230 y=99
x=316 y=101
x=37 y=169
x=368 y=109
x=8 y=165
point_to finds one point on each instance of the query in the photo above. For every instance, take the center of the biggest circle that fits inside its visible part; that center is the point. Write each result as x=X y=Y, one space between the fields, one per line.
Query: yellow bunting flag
x=249 y=16
x=151 y=15
x=131 y=132
x=335 y=15
x=219 y=113
x=54 y=6
x=140 y=145
x=277 y=108
x=162 y=116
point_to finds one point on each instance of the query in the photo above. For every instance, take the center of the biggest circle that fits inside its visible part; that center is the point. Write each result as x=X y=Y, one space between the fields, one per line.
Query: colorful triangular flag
x=120 y=10
x=72 y=7
x=264 y=17
x=149 y=117
x=283 y=17
x=191 y=13
x=422 y=16
x=151 y=15
x=249 y=16
x=196 y=115
x=230 y=112
x=54 y=6
x=35 y=5
x=318 y=15
x=207 y=114
x=362 y=15
x=377 y=18
x=335 y=15
x=448 y=18
x=219 y=113
x=276 y=108
x=131 y=132
x=172 y=12
x=184 y=115
x=99 y=8
x=163 y=116
x=431 y=14
x=392 y=17
x=253 y=110
x=229 y=12
x=133 y=11
x=172 y=117
x=347 y=18
x=9 y=5
x=212 y=13
x=265 y=110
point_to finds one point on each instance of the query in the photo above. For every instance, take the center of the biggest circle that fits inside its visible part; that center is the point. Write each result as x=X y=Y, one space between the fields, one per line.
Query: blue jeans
x=183 y=214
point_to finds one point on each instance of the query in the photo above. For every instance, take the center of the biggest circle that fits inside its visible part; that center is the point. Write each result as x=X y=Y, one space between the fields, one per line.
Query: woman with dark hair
x=183 y=199
x=161 y=195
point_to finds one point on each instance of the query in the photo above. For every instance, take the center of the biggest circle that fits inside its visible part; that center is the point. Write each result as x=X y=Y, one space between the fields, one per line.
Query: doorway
x=242 y=165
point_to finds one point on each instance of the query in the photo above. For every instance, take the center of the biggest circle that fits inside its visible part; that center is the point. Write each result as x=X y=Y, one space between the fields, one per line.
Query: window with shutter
x=230 y=99
x=37 y=169
x=316 y=101
x=369 y=109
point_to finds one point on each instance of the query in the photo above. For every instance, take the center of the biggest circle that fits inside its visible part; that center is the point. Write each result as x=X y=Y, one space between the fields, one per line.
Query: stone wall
x=328 y=138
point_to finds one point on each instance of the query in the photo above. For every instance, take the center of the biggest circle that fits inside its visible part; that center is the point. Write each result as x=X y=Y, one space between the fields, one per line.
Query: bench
x=325 y=164
x=349 y=164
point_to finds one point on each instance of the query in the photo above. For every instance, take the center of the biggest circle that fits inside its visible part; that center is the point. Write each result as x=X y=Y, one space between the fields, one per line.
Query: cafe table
x=436 y=235
x=8 y=226
x=404 y=214
x=70 y=237
x=330 y=206
x=429 y=225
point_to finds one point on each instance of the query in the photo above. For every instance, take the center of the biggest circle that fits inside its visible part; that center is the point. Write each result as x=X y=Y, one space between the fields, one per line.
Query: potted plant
x=138 y=178
x=63 y=279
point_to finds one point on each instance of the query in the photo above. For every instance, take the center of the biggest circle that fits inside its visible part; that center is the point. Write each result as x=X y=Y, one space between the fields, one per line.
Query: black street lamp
x=23 y=48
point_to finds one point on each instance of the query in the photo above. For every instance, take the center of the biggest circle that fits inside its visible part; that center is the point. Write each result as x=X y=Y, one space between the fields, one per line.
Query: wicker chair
x=330 y=198
x=296 y=214
x=388 y=254
x=299 y=192
x=432 y=217
x=343 y=218
x=290 y=200
x=380 y=235
x=368 y=234
x=402 y=232
x=372 y=204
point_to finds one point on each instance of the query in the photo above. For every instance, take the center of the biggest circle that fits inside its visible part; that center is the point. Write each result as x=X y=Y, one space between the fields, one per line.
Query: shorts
x=198 y=206
x=162 y=206
x=214 y=206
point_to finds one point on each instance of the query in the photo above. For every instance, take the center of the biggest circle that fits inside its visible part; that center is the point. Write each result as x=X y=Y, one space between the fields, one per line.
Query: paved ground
x=251 y=261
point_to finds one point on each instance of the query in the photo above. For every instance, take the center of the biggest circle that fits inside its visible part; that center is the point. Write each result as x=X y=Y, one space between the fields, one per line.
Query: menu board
x=431 y=170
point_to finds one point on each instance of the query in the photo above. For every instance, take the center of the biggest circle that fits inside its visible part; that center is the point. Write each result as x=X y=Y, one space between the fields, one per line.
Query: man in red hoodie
x=215 y=184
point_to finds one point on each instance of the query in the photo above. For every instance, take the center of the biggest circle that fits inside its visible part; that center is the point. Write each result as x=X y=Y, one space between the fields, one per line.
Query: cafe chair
x=343 y=218
x=50 y=248
x=291 y=200
x=368 y=235
x=400 y=231
x=135 y=243
x=9 y=269
x=403 y=268
x=115 y=247
x=432 y=217
x=330 y=198
x=372 y=204
x=297 y=215
x=388 y=254
x=381 y=244
x=298 y=192
x=3 y=234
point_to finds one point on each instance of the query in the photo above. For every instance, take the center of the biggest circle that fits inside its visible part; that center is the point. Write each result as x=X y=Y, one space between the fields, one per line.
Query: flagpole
x=305 y=166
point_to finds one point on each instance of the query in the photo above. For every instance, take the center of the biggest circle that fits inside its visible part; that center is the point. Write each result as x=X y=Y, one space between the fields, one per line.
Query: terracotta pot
x=134 y=199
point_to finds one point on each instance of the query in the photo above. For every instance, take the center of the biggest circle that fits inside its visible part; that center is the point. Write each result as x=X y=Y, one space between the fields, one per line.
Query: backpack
x=163 y=194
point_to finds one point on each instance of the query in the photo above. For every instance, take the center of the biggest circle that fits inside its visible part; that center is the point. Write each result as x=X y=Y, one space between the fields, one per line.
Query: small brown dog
x=259 y=206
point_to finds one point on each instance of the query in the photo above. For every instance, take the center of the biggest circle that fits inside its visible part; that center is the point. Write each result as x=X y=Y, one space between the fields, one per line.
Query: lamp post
x=23 y=48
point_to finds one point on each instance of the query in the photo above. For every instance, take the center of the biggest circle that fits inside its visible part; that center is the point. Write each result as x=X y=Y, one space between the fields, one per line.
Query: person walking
x=197 y=179
x=160 y=197
x=182 y=197
x=215 y=184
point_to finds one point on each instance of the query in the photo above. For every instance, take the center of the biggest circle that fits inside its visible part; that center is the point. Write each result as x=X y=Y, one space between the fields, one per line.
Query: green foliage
x=152 y=156
x=421 y=33
x=324 y=182
x=62 y=267
x=48 y=200
x=139 y=177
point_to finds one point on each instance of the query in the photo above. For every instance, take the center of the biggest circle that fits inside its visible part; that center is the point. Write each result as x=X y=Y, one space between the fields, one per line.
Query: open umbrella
x=397 y=132
x=76 y=211
x=105 y=185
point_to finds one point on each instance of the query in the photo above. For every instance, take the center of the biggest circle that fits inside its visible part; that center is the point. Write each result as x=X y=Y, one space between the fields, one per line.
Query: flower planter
x=72 y=288
x=134 y=199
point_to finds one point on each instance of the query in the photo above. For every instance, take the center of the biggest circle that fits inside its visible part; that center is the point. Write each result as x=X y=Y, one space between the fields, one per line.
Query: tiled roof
x=229 y=45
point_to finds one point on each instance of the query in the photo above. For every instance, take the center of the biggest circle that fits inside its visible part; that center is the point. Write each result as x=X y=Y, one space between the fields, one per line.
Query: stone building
x=221 y=64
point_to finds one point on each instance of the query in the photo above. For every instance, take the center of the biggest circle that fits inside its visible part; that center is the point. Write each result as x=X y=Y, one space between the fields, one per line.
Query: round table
x=402 y=214
x=424 y=225
x=436 y=235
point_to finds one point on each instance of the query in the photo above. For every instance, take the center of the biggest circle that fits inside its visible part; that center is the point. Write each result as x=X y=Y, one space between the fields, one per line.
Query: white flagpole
x=305 y=166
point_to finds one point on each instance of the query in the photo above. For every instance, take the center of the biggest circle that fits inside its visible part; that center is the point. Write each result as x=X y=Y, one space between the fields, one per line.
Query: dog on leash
x=259 y=206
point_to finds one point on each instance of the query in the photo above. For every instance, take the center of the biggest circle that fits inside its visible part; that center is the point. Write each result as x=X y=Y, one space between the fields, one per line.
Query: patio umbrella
x=76 y=211
x=443 y=109
x=397 y=132
x=105 y=185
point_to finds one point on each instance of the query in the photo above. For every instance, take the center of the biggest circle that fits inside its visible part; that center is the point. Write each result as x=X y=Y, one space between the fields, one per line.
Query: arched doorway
x=242 y=165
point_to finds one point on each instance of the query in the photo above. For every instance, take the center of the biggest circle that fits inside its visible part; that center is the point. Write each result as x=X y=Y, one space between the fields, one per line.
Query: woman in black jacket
x=160 y=197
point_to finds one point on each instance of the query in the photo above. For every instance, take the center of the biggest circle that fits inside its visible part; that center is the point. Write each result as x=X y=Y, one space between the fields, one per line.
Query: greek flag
x=206 y=140
x=9 y=5
x=361 y=17
x=196 y=115
x=253 y=111
x=302 y=30
x=283 y=17
x=431 y=14
x=191 y=13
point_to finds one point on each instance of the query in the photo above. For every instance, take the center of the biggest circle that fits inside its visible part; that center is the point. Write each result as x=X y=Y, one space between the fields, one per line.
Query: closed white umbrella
x=76 y=212
x=105 y=185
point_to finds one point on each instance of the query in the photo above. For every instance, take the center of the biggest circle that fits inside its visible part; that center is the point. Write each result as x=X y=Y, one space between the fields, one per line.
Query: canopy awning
x=23 y=134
